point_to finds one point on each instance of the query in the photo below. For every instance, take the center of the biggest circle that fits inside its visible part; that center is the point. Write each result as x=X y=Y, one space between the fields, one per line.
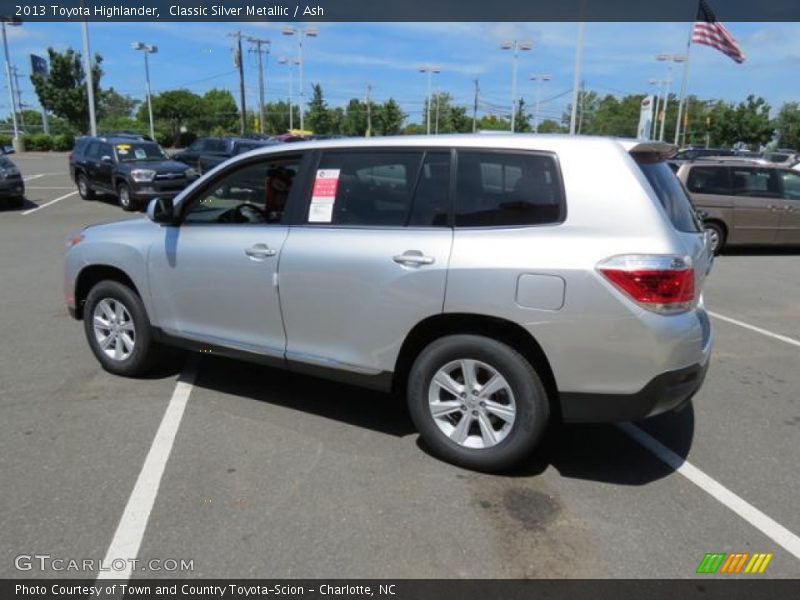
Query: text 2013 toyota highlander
x=498 y=282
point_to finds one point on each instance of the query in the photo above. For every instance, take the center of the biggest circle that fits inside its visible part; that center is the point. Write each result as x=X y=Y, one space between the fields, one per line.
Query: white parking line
x=130 y=531
x=41 y=206
x=777 y=336
x=39 y=175
x=766 y=525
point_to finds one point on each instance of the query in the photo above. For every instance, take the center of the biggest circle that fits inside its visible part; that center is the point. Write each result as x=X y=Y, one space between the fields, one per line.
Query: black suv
x=12 y=187
x=208 y=152
x=131 y=168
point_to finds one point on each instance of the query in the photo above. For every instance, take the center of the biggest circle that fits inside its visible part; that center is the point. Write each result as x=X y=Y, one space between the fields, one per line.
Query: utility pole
x=475 y=109
x=20 y=105
x=576 y=88
x=582 y=95
x=239 y=63
x=369 y=110
x=87 y=67
x=257 y=43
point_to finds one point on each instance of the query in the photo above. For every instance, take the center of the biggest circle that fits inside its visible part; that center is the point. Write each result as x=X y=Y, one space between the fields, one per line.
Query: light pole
x=659 y=83
x=670 y=59
x=290 y=62
x=538 y=78
x=431 y=71
x=13 y=22
x=516 y=47
x=147 y=49
x=301 y=33
x=257 y=43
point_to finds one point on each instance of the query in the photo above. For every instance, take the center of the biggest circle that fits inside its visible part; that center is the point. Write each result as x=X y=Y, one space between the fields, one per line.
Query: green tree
x=63 y=90
x=446 y=117
x=173 y=110
x=747 y=122
x=389 y=118
x=493 y=123
x=522 y=120
x=551 y=126
x=318 y=118
x=219 y=110
x=354 y=120
x=111 y=104
x=276 y=117
x=788 y=125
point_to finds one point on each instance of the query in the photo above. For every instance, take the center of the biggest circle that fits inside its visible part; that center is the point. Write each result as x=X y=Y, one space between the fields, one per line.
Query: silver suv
x=497 y=283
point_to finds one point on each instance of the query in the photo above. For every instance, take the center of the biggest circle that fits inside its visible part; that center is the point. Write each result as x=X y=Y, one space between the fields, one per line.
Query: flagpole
x=682 y=99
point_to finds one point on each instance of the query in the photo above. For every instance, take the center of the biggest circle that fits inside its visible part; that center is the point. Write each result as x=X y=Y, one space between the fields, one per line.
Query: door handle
x=260 y=251
x=413 y=258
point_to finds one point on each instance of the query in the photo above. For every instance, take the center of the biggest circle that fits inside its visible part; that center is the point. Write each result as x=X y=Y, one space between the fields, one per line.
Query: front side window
x=256 y=193
x=497 y=189
x=709 y=180
x=364 y=188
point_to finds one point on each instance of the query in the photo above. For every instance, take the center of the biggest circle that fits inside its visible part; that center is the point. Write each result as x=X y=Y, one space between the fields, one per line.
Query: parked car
x=12 y=187
x=204 y=146
x=129 y=168
x=237 y=146
x=782 y=158
x=745 y=203
x=498 y=282
x=695 y=153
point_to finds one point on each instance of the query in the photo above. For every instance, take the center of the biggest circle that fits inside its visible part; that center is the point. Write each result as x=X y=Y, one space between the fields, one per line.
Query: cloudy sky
x=619 y=58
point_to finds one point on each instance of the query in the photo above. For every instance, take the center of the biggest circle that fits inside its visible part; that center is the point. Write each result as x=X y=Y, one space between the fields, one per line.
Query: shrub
x=63 y=142
x=6 y=140
x=39 y=141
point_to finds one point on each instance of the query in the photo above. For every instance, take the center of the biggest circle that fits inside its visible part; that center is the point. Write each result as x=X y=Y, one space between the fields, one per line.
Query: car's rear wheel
x=716 y=235
x=477 y=402
x=125 y=199
x=118 y=330
x=83 y=187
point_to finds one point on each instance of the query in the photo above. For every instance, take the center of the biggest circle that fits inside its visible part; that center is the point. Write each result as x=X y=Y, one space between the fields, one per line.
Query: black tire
x=146 y=353
x=84 y=190
x=530 y=397
x=126 y=201
x=717 y=235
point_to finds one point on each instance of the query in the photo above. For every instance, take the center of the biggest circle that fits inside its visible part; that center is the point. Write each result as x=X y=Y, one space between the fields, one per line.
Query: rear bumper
x=668 y=391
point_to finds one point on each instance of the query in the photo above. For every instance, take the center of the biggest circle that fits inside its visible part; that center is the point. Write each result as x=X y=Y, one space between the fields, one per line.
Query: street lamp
x=516 y=47
x=538 y=78
x=14 y=23
x=669 y=59
x=431 y=71
x=147 y=49
x=301 y=32
x=290 y=62
x=659 y=83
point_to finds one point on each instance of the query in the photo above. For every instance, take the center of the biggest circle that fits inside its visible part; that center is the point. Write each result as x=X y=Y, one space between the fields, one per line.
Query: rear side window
x=670 y=193
x=364 y=188
x=709 y=180
x=751 y=181
x=502 y=189
x=215 y=145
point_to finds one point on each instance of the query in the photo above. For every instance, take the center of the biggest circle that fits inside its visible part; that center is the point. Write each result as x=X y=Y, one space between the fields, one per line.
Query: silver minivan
x=499 y=283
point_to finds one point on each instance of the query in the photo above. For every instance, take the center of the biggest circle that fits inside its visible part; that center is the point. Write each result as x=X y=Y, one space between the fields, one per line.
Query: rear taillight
x=661 y=283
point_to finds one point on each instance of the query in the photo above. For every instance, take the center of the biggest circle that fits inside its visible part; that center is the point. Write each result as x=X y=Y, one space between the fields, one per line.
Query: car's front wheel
x=125 y=200
x=477 y=402
x=118 y=330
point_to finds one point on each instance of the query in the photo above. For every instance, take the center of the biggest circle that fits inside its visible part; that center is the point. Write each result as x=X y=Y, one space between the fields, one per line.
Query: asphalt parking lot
x=276 y=475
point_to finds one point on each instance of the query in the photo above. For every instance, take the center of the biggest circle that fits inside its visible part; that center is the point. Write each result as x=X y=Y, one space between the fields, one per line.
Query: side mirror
x=161 y=210
x=105 y=159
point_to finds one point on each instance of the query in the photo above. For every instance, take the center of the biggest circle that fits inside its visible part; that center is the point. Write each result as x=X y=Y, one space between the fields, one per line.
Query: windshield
x=670 y=193
x=138 y=151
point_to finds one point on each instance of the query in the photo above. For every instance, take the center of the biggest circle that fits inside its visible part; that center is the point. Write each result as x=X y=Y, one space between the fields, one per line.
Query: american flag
x=709 y=31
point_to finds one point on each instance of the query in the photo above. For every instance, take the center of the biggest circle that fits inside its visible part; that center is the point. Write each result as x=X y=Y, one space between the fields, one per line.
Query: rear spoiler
x=661 y=150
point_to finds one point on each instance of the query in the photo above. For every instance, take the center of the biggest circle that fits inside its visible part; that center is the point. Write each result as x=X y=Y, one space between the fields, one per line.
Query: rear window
x=670 y=193
x=507 y=189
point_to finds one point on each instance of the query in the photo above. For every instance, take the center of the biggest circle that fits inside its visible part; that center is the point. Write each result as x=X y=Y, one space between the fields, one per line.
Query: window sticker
x=140 y=153
x=123 y=148
x=323 y=196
